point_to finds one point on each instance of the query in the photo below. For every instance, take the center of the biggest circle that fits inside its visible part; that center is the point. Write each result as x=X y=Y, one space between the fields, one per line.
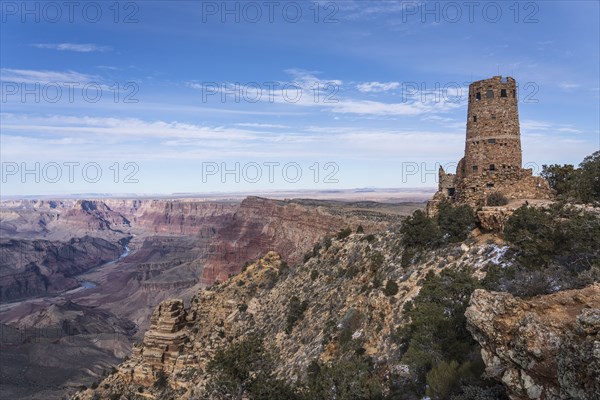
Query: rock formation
x=544 y=348
x=163 y=343
x=340 y=286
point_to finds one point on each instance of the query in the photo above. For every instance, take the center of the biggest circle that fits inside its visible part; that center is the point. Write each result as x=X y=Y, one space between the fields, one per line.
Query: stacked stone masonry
x=493 y=158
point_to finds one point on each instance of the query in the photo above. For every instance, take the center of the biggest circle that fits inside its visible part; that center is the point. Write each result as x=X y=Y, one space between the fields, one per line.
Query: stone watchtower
x=493 y=159
x=493 y=138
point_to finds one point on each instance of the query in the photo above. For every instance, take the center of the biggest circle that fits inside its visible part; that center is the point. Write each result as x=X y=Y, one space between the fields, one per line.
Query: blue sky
x=356 y=94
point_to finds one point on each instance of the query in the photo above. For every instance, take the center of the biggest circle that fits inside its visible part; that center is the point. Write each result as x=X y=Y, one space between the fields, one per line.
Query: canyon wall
x=41 y=267
x=290 y=228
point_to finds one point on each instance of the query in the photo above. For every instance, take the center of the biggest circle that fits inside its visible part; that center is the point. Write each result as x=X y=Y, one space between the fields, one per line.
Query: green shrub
x=578 y=184
x=244 y=369
x=443 y=379
x=531 y=231
x=588 y=183
x=314 y=274
x=316 y=249
x=419 y=231
x=344 y=233
x=307 y=256
x=162 y=380
x=360 y=229
x=391 y=288
x=376 y=260
x=436 y=327
x=560 y=178
x=295 y=312
x=473 y=392
x=455 y=222
x=557 y=234
x=369 y=238
x=344 y=379
x=496 y=199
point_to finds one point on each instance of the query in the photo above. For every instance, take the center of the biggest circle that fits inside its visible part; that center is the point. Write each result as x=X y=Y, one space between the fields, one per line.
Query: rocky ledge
x=547 y=347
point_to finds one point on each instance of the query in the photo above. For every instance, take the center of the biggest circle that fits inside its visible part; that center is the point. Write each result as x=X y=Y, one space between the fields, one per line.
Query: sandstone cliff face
x=287 y=227
x=176 y=217
x=544 y=348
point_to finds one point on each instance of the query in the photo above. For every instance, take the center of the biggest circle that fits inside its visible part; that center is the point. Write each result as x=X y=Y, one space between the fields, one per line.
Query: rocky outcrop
x=163 y=343
x=579 y=357
x=544 y=348
x=493 y=219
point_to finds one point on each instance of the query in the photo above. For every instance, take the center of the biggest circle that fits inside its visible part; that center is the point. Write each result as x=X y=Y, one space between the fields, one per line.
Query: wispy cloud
x=43 y=76
x=77 y=47
x=367 y=87
x=258 y=125
x=308 y=90
x=533 y=127
x=120 y=128
x=568 y=86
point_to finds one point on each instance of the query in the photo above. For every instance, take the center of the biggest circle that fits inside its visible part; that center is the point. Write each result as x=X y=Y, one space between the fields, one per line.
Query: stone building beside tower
x=493 y=158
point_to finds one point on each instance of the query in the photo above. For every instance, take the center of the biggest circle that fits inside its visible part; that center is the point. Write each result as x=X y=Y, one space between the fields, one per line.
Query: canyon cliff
x=346 y=303
x=147 y=251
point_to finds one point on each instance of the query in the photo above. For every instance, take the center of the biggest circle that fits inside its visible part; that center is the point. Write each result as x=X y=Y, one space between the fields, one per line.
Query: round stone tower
x=493 y=143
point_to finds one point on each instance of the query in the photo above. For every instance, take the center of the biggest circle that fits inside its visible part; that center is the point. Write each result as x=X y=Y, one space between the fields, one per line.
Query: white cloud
x=118 y=128
x=367 y=87
x=310 y=91
x=77 y=47
x=43 y=76
x=533 y=127
x=568 y=86
x=257 y=125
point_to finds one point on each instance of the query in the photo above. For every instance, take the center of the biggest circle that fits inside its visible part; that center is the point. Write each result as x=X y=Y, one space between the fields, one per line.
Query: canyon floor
x=79 y=278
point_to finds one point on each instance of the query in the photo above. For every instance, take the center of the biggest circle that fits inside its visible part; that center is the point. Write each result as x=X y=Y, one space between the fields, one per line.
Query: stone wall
x=520 y=184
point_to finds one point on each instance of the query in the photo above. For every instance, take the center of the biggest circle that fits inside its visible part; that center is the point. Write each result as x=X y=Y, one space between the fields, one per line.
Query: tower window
x=492 y=167
x=493 y=116
x=502 y=92
x=478 y=96
x=491 y=140
x=474 y=168
x=474 y=118
x=514 y=93
x=490 y=94
x=451 y=192
x=489 y=185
